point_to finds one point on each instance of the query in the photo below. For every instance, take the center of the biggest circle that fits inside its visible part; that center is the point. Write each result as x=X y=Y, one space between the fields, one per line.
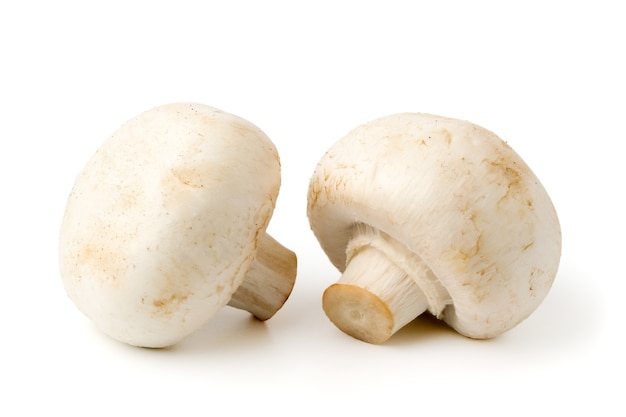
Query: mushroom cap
x=162 y=223
x=455 y=195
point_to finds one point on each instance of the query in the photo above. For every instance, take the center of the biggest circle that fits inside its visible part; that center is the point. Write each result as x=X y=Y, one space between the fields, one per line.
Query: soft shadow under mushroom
x=229 y=331
x=425 y=327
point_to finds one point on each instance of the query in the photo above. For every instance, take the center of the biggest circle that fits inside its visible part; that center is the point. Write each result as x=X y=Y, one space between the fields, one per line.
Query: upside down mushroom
x=166 y=224
x=426 y=213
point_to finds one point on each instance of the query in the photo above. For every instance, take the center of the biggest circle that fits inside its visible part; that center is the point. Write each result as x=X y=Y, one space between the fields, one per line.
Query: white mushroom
x=166 y=224
x=426 y=213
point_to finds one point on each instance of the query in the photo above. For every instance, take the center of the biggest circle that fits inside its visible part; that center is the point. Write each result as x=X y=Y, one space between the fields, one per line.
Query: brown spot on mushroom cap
x=168 y=305
x=447 y=136
x=188 y=176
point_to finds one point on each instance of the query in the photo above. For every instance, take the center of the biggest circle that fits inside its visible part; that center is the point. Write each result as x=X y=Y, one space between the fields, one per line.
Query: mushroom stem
x=374 y=297
x=269 y=281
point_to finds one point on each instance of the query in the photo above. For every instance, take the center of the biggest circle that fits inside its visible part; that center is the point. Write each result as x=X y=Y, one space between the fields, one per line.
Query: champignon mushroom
x=166 y=224
x=426 y=213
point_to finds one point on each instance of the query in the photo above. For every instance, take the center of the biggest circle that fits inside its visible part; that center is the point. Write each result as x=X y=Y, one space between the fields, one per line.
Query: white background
x=547 y=77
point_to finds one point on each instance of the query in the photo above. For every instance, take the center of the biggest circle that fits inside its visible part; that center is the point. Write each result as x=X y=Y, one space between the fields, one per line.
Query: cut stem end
x=358 y=313
x=374 y=298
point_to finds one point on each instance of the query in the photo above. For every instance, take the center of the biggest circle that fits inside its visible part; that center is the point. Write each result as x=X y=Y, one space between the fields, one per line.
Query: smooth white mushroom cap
x=162 y=223
x=455 y=196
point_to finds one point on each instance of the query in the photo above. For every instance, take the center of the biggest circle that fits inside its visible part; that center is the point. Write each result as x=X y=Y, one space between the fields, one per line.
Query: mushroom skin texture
x=167 y=221
x=426 y=213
